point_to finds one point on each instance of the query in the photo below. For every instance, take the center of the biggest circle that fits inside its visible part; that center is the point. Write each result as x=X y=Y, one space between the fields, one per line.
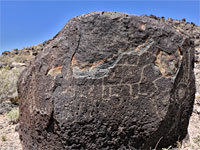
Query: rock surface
x=108 y=81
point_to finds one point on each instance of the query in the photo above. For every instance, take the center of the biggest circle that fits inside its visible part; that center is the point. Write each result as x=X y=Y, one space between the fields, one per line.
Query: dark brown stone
x=6 y=53
x=108 y=81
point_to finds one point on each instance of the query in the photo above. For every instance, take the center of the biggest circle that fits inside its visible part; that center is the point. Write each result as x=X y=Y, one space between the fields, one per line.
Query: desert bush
x=14 y=100
x=3 y=138
x=20 y=58
x=197 y=140
x=13 y=115
x=8 y=82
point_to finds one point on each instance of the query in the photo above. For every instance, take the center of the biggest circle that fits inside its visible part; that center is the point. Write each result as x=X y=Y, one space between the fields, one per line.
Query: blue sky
x=26 y=23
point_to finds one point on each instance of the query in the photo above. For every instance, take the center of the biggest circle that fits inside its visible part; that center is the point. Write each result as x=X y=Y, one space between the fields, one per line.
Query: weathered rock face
x=108 y=81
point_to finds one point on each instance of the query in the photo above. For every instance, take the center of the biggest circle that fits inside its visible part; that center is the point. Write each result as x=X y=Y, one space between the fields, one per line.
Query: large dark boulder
x=108 y=81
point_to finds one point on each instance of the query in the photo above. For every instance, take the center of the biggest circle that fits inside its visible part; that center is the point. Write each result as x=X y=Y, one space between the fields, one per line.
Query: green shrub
x=3 y=138
x=197 y=140
x=13 y=115
x=14 y=100
x=8 y=82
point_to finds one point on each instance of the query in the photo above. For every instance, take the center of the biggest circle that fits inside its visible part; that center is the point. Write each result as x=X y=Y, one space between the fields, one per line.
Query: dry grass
x=8 y=82
x=13 y=115
x=16 y=58
x=197 y=140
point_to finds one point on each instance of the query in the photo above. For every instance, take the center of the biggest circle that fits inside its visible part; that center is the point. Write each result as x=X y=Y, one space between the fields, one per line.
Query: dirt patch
x=9 y=139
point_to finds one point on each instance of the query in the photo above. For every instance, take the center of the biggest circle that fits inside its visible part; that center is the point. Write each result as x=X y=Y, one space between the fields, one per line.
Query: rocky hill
x=12 y=63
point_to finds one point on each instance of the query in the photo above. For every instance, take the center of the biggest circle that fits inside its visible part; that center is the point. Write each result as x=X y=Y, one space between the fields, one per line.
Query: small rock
x=5 y=107
x=5 y=53
x=197 y=52
x=197 y=58
x=34 y=54
x=3 y=65
x=197 y=111
x=183 y=19
x=17 y=128
x=15 y=64
x=170 y=19
x=1 y=127
x=198 y=101
x=197 y=66
x=15 y=51
x=10 y=123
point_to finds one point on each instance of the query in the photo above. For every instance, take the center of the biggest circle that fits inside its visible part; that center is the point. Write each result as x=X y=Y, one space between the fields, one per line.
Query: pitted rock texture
x=108 y=81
